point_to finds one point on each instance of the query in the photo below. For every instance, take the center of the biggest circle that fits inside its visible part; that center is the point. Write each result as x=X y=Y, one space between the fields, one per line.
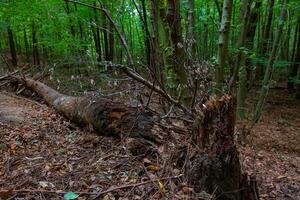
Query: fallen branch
x=7 y=193
x=135 y=185
x=13 y=73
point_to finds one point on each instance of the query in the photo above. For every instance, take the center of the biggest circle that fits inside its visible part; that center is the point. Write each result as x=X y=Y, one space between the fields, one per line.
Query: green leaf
x=70 y=196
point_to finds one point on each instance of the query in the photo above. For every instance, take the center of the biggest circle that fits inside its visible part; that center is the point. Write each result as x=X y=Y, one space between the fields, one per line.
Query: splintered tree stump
x=105 y=116
x=217 y=169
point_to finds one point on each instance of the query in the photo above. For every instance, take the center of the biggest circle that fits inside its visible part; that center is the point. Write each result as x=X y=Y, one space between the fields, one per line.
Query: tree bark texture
x=223 y=43
x=105 y=116
x=217 y=169
x=296 y=61
x=177 y=59
x=270 y=66
x=35 y=49
x=12 y=46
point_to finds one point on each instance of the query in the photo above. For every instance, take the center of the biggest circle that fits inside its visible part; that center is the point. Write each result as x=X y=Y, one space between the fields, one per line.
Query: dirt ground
x=273 y=152
x=41 y=151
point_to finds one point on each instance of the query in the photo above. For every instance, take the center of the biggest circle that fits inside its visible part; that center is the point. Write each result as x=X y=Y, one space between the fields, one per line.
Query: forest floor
x=41 y=151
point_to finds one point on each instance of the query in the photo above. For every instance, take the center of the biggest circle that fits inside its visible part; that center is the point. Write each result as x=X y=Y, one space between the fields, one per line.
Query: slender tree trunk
x=158 y=32
x=297 y=85
x=68 y=11
x=12 y=47
x=190 y=32
x=111 y=42
x=81 y=32
x=266 y=36
x=243 y=18
x=240 y=63
x=97 y=36
x=270 y=66
x=35 y=49
x=245 y=62
x=296 y=60
x=223 y=44
x=147 y=40
x=105 y=37
x=253 y=26
x=26 y=44
x=218 y=9
x=178 y=55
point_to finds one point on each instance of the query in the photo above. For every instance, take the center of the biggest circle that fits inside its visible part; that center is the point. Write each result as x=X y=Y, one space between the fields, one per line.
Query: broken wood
x=217 y=169
x=103 y=115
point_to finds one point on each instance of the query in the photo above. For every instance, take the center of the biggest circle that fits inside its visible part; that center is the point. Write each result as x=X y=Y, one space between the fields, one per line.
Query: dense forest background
x=181 y=46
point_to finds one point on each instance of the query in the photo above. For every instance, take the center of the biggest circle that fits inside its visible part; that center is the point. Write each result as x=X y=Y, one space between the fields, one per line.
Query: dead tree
x=217 y=169
x=105 y=116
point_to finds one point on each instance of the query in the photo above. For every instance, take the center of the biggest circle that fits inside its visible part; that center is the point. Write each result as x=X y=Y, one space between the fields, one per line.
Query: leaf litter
x=46 y=157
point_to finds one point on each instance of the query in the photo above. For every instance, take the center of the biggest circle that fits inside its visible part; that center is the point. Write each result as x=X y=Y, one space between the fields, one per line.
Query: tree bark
x=270 y=66
x=190 y=32
x=97 y=36
x=12 y=46
x=177 y=59
x=68 y=11
x=26 y=44
x=296 y=60
x=240 y=64
x=266 y=36
x=105 y=116
x=35 y=49
x=243 y=18
x=223 y=44
x=216 y=170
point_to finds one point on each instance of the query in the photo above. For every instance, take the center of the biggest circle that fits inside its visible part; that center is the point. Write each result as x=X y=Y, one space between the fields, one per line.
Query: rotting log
x=105 y=116
x=217 y=169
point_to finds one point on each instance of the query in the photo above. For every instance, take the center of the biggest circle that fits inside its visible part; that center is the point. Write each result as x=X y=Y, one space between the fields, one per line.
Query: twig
x=166 y=115
x=135 y=185
x=90 y=193
x=13 y=73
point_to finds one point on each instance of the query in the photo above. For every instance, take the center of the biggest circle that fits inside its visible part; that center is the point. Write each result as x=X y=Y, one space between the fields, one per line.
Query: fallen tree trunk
x=105 y=116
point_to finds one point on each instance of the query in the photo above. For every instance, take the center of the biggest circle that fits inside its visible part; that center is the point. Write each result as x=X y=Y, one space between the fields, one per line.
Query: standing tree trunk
x=12 y=47
x=111 y=42
x=35 y=49
x=105 y=37
x=177 y=59
x=297 y=85
x=26 y=44
x=243 y=74
x=296 y=59
x=240 y=64
x=190 y=32
x=243 y=18
x=159 y=36
x=223 y=44
x=81 y=33
x=68 y=11
x=97 y=36
x=270 y=66
x=266 y=35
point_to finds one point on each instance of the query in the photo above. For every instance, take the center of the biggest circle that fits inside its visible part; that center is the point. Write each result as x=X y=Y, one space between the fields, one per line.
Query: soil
x=272 y=152
x=41 y=151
